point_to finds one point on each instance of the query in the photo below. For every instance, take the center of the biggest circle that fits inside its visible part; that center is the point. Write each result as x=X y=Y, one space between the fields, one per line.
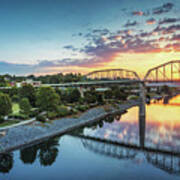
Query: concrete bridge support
x=142 y=99
x=81 y=90
x=142 y=115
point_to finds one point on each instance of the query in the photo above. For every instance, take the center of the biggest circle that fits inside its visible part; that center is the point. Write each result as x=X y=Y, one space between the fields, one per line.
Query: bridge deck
x=92 y=83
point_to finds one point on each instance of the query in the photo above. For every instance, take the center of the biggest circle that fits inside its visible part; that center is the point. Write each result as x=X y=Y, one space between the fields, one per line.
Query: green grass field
x=15 y=108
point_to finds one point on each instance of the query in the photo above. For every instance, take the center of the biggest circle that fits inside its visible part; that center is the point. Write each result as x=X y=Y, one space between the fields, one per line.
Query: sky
x=53 y=36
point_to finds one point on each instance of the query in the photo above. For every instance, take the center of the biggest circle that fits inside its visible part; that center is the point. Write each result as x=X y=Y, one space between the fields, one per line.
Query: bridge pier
x=81 y=91
x=142 y=115
x=142 y=95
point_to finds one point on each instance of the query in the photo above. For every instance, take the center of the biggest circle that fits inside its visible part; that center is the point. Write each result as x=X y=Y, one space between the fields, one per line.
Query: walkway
x=24 y=135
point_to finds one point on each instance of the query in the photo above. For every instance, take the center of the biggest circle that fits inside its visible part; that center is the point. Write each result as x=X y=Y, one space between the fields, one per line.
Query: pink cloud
x=137 y=13
x=151 y=21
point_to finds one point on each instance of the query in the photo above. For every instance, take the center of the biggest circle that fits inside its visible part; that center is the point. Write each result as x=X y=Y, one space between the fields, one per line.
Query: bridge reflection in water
x=164 y=159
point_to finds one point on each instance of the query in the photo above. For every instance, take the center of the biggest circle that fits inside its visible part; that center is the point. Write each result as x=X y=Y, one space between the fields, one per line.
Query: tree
x=73 y=95
x=47 y=99
x=108 y=94
x=25 y=106
x=119 y=93
x=6 y=105
x=13 y=91
x=28 y=91
x=100 y=99
x=6 y=162
x=58 y=91
x=2 y=81
x=15 y=98
x=70 y=95
x=90 y=97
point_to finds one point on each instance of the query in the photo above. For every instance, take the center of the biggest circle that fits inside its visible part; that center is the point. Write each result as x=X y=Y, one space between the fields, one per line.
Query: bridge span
x=167 y=74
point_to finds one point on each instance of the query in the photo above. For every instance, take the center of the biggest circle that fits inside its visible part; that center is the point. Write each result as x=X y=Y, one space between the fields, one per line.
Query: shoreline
x=26 y=135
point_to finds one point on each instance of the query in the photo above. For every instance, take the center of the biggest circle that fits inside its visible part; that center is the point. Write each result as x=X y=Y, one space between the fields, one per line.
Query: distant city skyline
x=54 y=36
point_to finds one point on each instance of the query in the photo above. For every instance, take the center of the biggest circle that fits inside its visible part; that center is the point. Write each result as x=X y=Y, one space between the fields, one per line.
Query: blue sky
x=50 y=36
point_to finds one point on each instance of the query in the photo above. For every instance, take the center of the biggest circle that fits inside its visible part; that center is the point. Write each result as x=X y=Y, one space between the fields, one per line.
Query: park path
x=25 y=135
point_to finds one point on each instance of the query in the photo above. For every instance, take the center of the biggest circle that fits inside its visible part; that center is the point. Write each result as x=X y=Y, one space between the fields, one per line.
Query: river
x=130 y=150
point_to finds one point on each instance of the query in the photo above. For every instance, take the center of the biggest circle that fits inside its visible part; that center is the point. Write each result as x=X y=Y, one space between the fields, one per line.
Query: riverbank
x=25 y=135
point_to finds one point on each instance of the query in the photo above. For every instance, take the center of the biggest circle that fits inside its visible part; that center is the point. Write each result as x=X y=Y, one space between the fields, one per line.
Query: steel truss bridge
x=168 y=161
x=168 y=72
x=113 y=74
x=164 y=74
x=104 y=77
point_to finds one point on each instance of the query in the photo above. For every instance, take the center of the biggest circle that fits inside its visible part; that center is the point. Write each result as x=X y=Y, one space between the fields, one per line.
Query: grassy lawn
x=7 y=123
x=15 y=108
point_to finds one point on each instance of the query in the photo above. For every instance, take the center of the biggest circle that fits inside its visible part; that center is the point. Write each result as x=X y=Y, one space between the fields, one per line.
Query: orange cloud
x=137 y=13
x=151 y=21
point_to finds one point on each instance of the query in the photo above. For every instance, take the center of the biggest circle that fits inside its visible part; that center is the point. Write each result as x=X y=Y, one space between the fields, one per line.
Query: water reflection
x=48 y=152
x=130 y=136
x=6 y=162
x=158 y=138
x=167 y=162
x=28 y=155
x=45 y=152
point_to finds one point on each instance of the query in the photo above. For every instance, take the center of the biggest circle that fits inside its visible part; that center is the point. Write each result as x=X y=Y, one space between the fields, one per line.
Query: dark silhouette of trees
x=28 y=155
x=6 y=162
x=48 y=152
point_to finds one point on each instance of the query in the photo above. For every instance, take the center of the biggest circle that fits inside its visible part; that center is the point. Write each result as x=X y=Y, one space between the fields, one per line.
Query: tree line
x=54 y=102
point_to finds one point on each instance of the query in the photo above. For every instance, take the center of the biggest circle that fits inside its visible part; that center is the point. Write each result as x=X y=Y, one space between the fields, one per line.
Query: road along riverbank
x=36 y=132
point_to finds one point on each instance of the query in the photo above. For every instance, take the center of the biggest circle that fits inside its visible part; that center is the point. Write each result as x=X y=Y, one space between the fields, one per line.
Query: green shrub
x=25 y=105
x=81 y=100
x=34 y=112
x=15 y=98
x=74 y=111
x=52 y=115
x=82 y=107
x=41 y=118
x=132 y=97
x=1 y=119
x=18 y=116
x=62 y=111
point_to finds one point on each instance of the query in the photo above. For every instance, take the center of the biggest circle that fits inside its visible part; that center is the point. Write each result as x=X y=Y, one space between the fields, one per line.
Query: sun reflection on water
x=162 y=126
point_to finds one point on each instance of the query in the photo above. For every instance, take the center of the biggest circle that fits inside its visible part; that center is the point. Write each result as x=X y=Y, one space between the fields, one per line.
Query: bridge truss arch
x=113 y=74
x=167 y=72
x=110 y=150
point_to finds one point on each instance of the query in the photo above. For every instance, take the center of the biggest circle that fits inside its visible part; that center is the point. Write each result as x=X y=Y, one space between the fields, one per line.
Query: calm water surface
x=86 y=157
